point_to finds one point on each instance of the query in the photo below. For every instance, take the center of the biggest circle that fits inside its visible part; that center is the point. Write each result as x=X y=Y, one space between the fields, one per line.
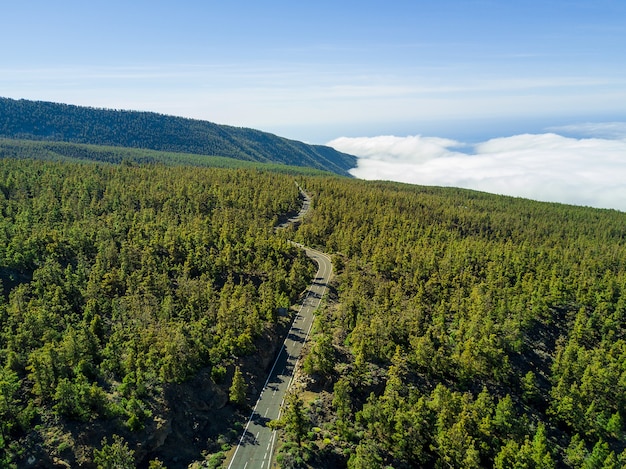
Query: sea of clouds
x=588 y=169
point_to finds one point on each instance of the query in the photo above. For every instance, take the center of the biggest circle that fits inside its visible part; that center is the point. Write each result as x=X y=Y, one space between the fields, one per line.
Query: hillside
x=78 y=152
x=461 y=329
x=467 y=330
x=37 y=120
x=128 y=294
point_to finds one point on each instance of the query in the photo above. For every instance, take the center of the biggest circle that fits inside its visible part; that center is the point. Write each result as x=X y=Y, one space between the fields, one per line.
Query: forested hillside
x=37 y=120
x=129 y=294
x=463 y=329
x=468 y=330
x=76 y=152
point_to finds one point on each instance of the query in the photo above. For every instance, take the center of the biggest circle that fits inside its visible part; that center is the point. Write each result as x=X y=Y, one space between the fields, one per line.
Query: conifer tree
x=116 y=455
x=237 y=392
x=295 y=419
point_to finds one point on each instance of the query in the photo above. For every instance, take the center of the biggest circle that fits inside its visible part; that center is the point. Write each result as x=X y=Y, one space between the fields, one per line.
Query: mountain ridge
x=49 y=121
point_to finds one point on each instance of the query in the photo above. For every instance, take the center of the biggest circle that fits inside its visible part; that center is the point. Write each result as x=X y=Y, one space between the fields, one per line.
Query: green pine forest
x=468 y=330
x=55 y=122
x=121 y=282
x=461 y=329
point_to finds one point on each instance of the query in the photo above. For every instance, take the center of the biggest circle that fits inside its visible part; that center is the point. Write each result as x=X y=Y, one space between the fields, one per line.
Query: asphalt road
x=295 y=220
x=256 y=446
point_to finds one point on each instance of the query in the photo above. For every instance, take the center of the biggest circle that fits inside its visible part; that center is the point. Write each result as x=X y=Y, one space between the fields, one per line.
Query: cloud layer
x=548 y=167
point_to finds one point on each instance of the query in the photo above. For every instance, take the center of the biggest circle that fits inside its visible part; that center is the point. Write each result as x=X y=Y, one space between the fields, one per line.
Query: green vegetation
x=37 y=120
x=469 y=330
x=119 y=282
x=462 y=329
x=238 y=388
x=116 y=455
x=74 y=152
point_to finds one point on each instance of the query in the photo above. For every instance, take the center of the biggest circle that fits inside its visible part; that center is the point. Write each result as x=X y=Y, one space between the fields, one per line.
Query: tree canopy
x=462 y=329
x=119 y=281
x=39 y=120
x=476 y=330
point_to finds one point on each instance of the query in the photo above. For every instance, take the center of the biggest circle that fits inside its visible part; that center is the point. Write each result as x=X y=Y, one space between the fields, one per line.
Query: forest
x=121 y=283
x=461 y=330
x=77 y=152
x=39 y=120
x=466 y=330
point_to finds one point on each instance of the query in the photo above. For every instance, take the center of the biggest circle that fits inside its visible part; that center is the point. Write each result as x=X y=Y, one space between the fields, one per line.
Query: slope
x=464 y=330
x=80 y=152
x=128 y=294
x=38 y=120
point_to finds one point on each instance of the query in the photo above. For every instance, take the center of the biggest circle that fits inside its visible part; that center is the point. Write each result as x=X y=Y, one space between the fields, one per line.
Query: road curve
x=297 y=219
x=256 y=445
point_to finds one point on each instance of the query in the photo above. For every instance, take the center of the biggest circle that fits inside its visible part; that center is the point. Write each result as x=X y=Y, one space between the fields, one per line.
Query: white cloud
x=385 y=148
x=548 y=167
x=612 y=130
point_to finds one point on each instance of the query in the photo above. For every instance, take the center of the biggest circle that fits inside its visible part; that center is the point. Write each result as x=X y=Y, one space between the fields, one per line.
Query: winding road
x=256 y=445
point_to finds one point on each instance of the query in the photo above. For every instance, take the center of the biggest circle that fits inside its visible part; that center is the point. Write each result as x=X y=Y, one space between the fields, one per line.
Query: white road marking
x=306 y=307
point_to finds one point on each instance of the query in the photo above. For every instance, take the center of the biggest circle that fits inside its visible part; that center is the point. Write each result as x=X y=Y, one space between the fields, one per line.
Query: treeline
x=118 y=281
x=470 y=330
x=75 y=152
x=38 y=120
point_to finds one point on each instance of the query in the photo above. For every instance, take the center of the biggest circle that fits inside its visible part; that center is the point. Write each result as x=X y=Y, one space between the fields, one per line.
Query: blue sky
x=468 y=71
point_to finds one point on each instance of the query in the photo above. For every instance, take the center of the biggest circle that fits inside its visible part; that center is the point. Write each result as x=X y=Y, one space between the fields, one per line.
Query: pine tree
x=238 y=389
x=296 y=422
x=116 y=455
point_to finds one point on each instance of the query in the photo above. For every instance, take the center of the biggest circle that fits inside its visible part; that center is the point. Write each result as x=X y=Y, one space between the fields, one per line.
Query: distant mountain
x=39 y=120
